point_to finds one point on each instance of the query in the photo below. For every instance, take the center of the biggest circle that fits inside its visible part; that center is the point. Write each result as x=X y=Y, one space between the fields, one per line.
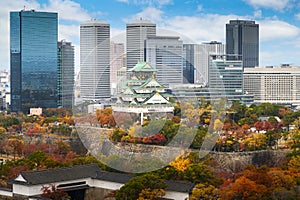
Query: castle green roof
x=142 y=67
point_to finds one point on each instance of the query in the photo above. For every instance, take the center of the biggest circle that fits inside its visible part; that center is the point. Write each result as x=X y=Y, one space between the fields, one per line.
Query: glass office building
x=66 y=74
x=33 y=60
x=242 y=42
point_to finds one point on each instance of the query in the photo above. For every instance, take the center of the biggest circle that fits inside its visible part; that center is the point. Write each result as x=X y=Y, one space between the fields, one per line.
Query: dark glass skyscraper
x=33 y=60
x=65 y=74
x=242 y=41
x=188 y=63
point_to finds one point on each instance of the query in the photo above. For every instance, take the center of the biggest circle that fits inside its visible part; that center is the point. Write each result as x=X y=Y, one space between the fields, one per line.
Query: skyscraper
x=117 y=61
x=164 y=53
x=196 y=60
x=242 y=40
x=33 y=60
x=226 y=74
x=94 y=60
x=189 y=57
x=65 y=74
x=136 y=34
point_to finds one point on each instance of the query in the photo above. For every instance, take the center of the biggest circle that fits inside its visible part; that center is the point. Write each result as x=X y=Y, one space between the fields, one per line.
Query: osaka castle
x=142 y=93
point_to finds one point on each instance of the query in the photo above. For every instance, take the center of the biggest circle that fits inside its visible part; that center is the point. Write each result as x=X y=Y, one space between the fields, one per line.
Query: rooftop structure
x=80 y=181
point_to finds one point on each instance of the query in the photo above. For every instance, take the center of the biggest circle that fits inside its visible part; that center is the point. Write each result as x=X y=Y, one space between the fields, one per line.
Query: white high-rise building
x=164 y=53
x=117 y=61
x=279 y=85
x=136 y=34
x=197 y=58
x=94 y=60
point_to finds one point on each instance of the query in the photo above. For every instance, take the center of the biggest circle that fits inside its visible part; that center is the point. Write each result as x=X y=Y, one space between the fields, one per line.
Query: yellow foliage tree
x=205 y=192
x=294 y=163
x=255 y=141
x=218 y=125
x=2 y=130
x=149 y=194
x=181 y=162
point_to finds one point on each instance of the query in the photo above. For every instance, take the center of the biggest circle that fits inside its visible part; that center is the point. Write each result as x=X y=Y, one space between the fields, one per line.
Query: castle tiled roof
x=142 y=67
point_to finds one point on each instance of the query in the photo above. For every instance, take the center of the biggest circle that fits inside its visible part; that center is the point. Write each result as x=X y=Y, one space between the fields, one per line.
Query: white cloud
x=118 y=35
x=68 y=10
x=149 y=13
x=257 y=14
x=200 y=28
x=276 y=29
x=273 y=4
x=68 y=32
x=153 y=3
x=278 y=57
x=297 y=16
x=199 y=7
x=206 y=27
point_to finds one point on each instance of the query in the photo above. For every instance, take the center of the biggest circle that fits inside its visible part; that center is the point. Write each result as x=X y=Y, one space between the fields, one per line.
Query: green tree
x=135 y=186
x=201 y=173
x=37 y=159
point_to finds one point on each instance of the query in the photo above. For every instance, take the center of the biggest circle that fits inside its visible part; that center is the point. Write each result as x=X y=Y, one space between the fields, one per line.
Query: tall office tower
x=196 y=60
x=66 y=74
x=33 y=60
x=117 y=58
x=136 y=34
x=189 y=63
x=94 y=60
x=165 y=54
x=226 y=74
x=242 y=40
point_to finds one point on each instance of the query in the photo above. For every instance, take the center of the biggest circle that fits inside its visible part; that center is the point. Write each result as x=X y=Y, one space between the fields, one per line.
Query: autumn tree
x=218 y=125
x=62 y=147
x=205 y=191
x=151 y=194
x=243 y=188
x=255 y=141
x=2 y=130
x=105 y=117
x=181 y=162
x=15 y=146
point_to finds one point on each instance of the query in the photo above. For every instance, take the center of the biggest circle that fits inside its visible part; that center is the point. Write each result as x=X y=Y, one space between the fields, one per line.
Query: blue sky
x=194 y=20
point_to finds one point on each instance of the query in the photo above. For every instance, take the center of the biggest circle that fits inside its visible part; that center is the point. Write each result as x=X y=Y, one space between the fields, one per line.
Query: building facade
x=94 y=61
x=226 y=75
x=196 y=60
x=165 y=54
x=189 y=58
x=242 y=42
x=117 y=62
x=279 y=85
x=33 y=60
x=82 y=182
x=66 y=74
x=136 y=34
